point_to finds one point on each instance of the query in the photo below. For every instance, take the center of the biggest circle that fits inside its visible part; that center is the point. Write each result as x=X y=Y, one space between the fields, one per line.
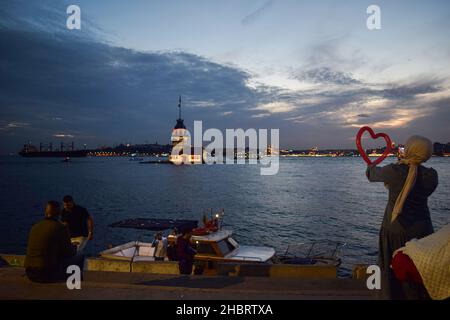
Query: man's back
x=48 y=244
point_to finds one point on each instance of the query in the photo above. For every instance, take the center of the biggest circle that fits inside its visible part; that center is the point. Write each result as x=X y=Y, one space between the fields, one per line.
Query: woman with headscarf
x=406 y=215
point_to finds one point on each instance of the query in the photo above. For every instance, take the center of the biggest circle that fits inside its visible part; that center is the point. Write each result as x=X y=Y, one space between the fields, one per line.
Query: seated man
x=79 y=222
x=49 y=250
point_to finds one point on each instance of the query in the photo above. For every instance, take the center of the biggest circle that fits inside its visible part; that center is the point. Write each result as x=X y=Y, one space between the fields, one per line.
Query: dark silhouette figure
x=185 y=252
x=49 y=250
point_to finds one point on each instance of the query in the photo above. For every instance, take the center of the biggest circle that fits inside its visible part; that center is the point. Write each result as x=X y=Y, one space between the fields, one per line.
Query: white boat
x=135 y=157
x=218 y=246
x=131 y=251
x=214 y=247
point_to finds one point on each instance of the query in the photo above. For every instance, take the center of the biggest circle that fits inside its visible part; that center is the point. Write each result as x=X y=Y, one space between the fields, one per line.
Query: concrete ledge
x=13 y=260
x=276 y=270
x=223 y=269
x=155 y=267
x=360 y=272
x=130 y=285
x=299 y=271
x=100 y=264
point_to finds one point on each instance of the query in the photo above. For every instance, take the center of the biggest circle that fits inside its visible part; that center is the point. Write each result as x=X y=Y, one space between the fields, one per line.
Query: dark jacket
x=185 y=254
x=415 y=207
x=48 y=245
x=76 y=221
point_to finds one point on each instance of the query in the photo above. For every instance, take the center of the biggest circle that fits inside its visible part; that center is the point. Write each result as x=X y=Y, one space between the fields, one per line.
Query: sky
x=309 y=68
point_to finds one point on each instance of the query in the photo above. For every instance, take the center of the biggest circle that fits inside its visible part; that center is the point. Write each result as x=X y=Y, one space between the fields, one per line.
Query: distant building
x=440 y=149
x=181 y=141
x=314 y=151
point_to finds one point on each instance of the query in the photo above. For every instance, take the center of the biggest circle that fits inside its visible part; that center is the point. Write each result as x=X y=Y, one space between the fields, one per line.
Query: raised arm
x=380 y=174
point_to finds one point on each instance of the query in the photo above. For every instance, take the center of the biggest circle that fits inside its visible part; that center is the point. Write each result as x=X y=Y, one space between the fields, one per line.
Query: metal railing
x=249 y=258
x=314 y=250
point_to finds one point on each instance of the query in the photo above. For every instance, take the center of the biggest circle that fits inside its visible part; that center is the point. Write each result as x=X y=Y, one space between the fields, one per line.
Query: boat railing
x=316 y=249
x=250 y=258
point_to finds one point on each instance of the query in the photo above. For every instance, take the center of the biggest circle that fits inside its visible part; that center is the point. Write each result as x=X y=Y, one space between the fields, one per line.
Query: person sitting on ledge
x=49 y=250
x=426 y=262
x=79 y=222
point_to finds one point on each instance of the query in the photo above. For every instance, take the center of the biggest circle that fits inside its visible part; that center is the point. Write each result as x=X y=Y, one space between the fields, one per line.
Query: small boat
x=216 y=245
x=212 y=244
x=138 y=250
x=135 y=157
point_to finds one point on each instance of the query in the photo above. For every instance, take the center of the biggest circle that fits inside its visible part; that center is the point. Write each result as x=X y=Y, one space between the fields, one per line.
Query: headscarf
x=417 y=150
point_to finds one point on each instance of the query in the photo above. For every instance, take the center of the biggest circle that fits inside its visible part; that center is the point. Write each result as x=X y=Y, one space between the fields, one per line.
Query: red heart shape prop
x=374 y=136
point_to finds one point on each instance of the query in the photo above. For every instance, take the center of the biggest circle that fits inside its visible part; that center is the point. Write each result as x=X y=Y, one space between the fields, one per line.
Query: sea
x=311 y=199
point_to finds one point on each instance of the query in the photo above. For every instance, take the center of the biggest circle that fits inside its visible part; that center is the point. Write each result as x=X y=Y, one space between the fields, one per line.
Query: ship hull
x=55 y=154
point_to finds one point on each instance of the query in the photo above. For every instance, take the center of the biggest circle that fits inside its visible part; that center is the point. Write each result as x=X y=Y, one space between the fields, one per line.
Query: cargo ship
x=31 y=151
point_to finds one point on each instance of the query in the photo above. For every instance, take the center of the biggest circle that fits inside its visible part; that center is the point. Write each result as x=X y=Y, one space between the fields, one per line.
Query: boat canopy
x=154 y=224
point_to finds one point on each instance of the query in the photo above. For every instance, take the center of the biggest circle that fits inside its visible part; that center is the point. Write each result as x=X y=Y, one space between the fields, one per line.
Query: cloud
x=12 y=125
x=367 y=105
x=109 y=94
x=80 y=87
x=260 y=115
x=63 y=135
x=275 y=107
x=296 y=119
x=201 y=104
x=252 y=17
x=325 y=75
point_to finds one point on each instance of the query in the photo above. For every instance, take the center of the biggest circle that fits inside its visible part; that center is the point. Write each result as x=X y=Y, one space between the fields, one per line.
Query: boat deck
x=213 y=237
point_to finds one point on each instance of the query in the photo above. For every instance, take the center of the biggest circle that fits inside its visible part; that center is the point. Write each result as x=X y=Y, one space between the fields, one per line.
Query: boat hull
x=54 y=154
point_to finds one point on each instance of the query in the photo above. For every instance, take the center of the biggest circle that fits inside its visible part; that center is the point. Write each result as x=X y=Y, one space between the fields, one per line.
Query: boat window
x=225 y=246
x=205 y=248
x=233 y=243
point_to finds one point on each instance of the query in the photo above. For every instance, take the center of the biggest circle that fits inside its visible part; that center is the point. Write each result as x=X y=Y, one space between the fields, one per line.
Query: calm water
x=309 y=199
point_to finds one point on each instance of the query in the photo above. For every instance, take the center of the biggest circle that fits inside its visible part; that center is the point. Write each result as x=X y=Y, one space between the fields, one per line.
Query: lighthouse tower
x=180 y=139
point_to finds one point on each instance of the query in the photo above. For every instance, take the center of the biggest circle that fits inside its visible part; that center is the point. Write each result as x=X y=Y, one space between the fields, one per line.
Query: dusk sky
x=310 y=68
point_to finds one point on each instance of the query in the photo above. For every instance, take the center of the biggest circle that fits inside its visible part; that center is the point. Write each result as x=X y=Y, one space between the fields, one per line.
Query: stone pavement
x=119 y=285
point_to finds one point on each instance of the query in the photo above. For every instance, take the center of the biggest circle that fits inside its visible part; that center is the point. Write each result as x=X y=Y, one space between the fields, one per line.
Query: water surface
x=309 y=199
